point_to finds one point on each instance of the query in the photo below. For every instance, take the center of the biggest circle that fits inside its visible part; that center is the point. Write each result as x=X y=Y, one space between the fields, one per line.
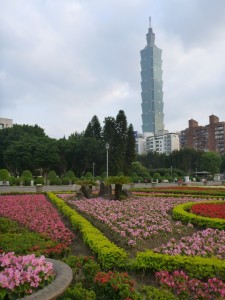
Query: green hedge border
x=196 y=267
x=181 y=212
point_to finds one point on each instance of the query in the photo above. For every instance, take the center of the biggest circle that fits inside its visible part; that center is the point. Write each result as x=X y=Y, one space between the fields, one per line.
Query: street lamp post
x=93 y=174
x=171 y=169
x=107 y=159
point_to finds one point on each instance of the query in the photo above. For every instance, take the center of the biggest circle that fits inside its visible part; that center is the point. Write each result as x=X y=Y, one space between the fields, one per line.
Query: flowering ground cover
x=136 y=220
x=37 y=214
x=206 y=243
x=191 y=288
x=21 y=275
x=212 y=210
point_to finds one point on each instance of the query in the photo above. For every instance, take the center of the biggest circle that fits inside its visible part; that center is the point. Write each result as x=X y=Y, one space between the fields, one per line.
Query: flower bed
x=135 y=220
x=190 y=288
x=206 y=243
x=37 y=214
x=22 y=275
x=212 y=210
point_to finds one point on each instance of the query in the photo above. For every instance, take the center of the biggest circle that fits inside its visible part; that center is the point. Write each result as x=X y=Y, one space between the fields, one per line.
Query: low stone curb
x=64 y=276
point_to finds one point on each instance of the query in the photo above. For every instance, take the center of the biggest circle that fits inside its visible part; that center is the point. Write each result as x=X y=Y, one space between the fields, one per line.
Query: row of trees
x=25 y=147
x=188 y=160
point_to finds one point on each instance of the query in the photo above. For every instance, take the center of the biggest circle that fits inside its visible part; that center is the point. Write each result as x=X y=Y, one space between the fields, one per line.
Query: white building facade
x=164 y=143
x=5 y=123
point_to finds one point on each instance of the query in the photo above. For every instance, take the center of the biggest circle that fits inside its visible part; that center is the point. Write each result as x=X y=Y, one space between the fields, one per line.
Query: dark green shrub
x=84 y=269
x=4 y=175
x=88 y=175
x=156 y=176
x=77 y=292
x=14 y=180
x=26 y=177
x=150 y=292
x=66 y=180
x=58 y=181
x=52 y=177
x=39 y=180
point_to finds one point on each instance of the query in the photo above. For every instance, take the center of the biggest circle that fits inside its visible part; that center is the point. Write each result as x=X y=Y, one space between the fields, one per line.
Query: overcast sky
x=64 y=61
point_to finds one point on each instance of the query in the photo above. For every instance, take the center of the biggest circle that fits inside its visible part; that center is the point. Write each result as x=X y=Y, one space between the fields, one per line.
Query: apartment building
x=204 y=138
x=165 y=143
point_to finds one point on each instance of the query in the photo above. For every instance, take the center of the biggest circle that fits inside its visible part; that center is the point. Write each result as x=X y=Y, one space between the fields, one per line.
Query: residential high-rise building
x=151 y=85
x=204 y=138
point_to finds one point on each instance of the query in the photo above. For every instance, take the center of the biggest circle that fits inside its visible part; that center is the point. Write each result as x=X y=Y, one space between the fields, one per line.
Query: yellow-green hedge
x=196 y=267
x=109 y=255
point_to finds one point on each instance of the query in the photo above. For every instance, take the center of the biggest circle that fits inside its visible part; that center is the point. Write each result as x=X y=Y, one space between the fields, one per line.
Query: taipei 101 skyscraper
x=151 y=85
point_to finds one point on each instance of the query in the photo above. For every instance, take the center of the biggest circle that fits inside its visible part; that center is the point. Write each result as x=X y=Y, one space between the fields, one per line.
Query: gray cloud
x=64 y=61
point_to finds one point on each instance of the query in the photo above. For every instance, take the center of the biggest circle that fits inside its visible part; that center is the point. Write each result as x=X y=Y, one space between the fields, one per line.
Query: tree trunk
x=118 y=191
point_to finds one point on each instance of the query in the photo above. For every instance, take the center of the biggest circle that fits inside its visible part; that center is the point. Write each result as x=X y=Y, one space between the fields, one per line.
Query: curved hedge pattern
x=181 y=212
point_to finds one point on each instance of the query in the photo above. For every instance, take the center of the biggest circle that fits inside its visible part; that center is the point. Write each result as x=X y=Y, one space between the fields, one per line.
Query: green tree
x=222 y=167
x=140 y=170
x=63 y=149
x=94 y=129
x=28 y=148
x=211 y=162
x=120 y=141
x=83 y=152
x=130 y=153
x=186 y=159
x=109 y=137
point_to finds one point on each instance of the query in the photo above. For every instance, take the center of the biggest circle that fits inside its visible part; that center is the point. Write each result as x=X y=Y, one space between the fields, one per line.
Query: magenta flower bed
x=206 y=243
x=37 y=214
x=191 y=288
x=138 y=219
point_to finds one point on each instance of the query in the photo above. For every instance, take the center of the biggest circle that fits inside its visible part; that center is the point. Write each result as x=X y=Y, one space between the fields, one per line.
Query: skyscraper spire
x=150 y=36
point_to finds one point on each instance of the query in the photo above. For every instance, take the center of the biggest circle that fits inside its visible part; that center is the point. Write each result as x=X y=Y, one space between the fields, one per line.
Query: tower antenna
x=149 y=22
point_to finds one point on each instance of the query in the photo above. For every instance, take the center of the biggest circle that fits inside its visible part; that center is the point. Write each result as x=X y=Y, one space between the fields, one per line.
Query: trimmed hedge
x=195 y=267
x=109 y=255
x=181 y=212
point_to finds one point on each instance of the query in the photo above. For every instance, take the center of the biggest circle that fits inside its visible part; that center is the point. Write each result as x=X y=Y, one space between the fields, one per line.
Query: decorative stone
x=57 y=287
x=86 y=191
x=39 y=188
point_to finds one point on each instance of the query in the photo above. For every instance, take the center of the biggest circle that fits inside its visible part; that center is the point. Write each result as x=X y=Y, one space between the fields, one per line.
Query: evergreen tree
x=120 y=141
x=130 y=154
x=93 y=129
